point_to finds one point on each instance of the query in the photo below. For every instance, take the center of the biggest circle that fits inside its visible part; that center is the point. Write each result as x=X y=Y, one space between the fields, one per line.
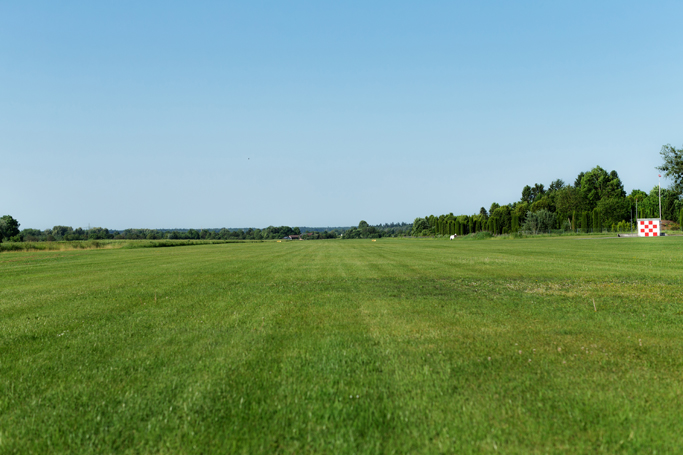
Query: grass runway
x=394 y=346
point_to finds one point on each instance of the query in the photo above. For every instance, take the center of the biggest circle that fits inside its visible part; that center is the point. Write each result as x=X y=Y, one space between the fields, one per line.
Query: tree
x=598 y=184
x=514 y=223
x=673 y=166
x=541 y=221
x=670 y=200
x=31 y=235
x=568 y=200
x=542 y=203
x=419 y=226
x=613 y=210
x=597 y=224
x=59 y=232
x=537 y=191
x=366 y=231
x=503 y=217
x=98 y=233
x=556 y=185
x=521 y=208
x=649 y=205
x=636 y=198
x=530 y=194
x=9 y=227
x=526 y=195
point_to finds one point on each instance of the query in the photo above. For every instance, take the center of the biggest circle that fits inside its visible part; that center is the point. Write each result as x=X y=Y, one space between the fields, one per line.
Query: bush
x=540 y=221
x=482 y=235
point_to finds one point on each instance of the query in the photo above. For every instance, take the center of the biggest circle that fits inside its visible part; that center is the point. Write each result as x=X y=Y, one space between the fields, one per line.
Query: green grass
x=106 y=244
x=394 y=346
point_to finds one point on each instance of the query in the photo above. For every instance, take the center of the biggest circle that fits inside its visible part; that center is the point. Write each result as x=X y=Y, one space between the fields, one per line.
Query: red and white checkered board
x=648 y=228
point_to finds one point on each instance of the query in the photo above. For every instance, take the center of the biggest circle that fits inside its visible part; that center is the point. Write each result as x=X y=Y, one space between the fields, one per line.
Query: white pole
x=660 y=197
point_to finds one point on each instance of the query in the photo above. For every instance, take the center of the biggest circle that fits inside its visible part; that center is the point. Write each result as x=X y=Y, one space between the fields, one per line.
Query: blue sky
x=210 y=114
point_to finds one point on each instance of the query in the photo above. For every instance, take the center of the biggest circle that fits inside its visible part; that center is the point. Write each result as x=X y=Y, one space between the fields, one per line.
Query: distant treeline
x=596 y=202
x=365 y=231
x=61 y=233
x=9 y=231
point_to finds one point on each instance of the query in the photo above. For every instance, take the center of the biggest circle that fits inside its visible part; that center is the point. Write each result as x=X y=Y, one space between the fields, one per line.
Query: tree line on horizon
x=67 y=233
x=9 y=231
x=595 y=202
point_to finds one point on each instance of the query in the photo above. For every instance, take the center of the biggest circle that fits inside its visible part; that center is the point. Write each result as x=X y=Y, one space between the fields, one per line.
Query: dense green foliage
x=9 y=228
x=394 y=346
x=540 y=221
x=67 y=233
x=594 y=203
x=673 y=166
x=365 y=231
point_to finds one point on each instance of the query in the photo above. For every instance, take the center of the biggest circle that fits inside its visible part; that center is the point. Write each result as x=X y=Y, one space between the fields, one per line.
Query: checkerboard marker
x=649 y=227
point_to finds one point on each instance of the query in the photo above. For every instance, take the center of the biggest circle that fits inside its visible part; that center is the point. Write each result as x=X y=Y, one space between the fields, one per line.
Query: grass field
x=107 y=244
x=394 y=346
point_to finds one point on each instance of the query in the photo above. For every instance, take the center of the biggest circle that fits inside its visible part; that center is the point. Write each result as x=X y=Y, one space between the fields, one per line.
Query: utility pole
x=660 y=197
x=637 y=215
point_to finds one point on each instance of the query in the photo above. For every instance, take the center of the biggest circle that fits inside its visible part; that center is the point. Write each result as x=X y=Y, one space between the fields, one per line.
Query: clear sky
x=210 y=114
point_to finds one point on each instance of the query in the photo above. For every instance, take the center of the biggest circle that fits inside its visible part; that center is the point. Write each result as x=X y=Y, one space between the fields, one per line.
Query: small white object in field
x=454 y=236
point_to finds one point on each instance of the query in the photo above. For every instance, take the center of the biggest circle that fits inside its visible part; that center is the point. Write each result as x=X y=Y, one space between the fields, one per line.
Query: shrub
x=540 y=221
x=482 y=235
